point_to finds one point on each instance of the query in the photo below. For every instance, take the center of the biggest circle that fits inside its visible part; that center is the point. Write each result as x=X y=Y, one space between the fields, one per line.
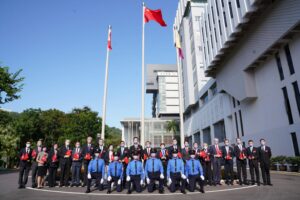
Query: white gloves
x=162 y=176
x=148 y=180
x=119 y=182
x=183 y=176
x=109 y=178
x=101 y=181
x=187 y=180
x=169 y=181
x=89 y=176
x=128 y=178
x=202 y=177
x=142 y=182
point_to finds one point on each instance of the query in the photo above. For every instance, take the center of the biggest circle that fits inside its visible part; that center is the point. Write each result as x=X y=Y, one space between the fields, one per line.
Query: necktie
x=96 y=165
x=193 y=166
x=175 y=165
x=217 y=148
x=135 y=165
x=115 y=168
x=152 y=165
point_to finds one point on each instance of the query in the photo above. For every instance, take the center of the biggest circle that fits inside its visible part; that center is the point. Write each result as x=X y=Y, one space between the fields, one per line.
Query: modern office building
x=162 y=82
x=249 y=49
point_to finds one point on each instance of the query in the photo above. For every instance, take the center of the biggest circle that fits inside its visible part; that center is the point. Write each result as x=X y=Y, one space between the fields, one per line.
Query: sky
x=61 y=47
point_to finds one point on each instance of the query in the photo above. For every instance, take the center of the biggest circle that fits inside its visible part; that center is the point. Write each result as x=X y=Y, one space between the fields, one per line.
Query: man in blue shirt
x=175 y=172
x=96 y=170
x=115 y=174
x=135 y=173
x=194 y=172
x=154 y=171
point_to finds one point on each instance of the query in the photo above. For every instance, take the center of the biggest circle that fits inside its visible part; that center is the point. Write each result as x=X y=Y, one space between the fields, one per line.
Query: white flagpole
x=143 y=81
x=105 y=88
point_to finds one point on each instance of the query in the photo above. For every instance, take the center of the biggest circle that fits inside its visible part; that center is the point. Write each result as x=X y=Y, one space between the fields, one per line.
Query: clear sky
x=61 y=46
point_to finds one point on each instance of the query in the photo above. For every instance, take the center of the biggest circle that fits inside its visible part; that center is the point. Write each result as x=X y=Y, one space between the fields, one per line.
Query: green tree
x=173 y=127
x=10 y=85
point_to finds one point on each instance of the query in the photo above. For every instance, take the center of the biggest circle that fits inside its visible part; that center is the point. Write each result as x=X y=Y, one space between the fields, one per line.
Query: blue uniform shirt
x=193 y=167
x=153 y=165
x=115 y=168
x=92 y=168
x=175 y=165
x=135 y=167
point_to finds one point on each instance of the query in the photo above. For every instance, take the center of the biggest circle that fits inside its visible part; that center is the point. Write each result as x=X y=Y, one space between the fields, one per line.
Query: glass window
x=289 y=59
x=287 y=105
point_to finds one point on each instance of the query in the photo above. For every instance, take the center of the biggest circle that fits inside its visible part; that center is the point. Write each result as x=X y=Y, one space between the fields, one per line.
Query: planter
x=273 y=167
x=294 y=168
x=282 y=168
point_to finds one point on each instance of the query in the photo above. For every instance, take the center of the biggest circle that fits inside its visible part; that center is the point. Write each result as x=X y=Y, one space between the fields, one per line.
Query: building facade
x=250 y=51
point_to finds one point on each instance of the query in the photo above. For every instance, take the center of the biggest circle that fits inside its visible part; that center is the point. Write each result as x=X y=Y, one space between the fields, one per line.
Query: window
x=295 y=144
x=220 y=28
x=278 y=61
x=230 y=9
x=213 y=16
x=297 y=95
x=236 y=125
x=287 y=105
x=217 y=6
x=204 y=98
x=206 y=136
x=222 y=3
x=216 y=35
x=238 y=3
x=233 y=102
x=214 y=89
x=225 y=19
x=219 y=129
x=241 y=122
x=289 y=59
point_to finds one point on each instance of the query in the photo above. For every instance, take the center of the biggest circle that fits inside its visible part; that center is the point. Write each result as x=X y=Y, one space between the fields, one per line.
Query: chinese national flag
x=155 y=15
x=109 y=39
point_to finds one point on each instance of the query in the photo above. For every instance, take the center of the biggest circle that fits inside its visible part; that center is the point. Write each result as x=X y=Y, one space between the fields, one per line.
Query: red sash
x=24 y=157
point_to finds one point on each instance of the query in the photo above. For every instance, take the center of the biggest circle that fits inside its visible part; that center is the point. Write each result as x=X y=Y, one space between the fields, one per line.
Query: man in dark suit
x=102 y=149
x=241 y=161
x=216 y=156
x=163 y=155
x=252 y=155
x=53 y=159
x=264 y=158
x=124 y=158
x=228 y=154
x=174 y=147
x=25 y=165
x=65 y=154
x=205 y=160
x=136 y=147
x=185 y=151
x=76 y=164
x=87 y=154
x=147 y=151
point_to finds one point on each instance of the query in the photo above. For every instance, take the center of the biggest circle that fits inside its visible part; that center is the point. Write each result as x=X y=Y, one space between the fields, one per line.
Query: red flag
x=109 y=39
x=155 y=15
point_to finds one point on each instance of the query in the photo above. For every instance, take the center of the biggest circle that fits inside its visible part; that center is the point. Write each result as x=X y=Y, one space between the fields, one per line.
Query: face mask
x=135 y=145
x=175 y=155
x=148 y=145
x=163 y=147
x=39 y=145
x=67 y=143
x=192 y=156
x=116 y=158
x=122 y=145
x=186 y=145
x=77 y=146
x=135 y=157
x=27 y=145
x=96 y=155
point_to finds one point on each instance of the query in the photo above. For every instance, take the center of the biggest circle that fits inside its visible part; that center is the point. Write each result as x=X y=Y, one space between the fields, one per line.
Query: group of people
x=133 y=167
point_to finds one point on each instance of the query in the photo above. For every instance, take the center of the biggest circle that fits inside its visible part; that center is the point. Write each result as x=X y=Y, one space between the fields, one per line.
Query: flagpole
x=143 y=81
x=105 y=90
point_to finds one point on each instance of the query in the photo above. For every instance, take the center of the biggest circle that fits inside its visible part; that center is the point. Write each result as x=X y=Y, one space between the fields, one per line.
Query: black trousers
x=241 y=169
x=193 y=179
x=85 y=171
x=34 y=169
x=207 y=171
x=23 y=174
x=217 y=170
x=52 y=176
x=265 y=172
x=135 y=180
x=65 y=172
x=228 y=171
x=124 y=175
x=155 y=177
x=98 y=177
x=176 y=180
x=114 y=179
x=253 y=165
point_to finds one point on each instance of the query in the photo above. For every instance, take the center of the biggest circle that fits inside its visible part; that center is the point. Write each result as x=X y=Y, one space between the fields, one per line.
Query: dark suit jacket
x=138 y=149
x=146 y=154
x=212 y=150
x=264 y=156
x=237 y=151
x=160 y=155
x=23 y=162
x=171 y=149
x=86 y=150
x=51 y=153
x=62 y=153
x=79 y=161
x=103 y=152
x=230 y=153
x=185 y=154
x=253 y=154
x=125 y=154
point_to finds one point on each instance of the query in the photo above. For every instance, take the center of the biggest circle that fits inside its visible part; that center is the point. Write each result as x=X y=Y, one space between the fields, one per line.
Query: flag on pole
x=109 y=39
x=155 y=15
x=178 y=45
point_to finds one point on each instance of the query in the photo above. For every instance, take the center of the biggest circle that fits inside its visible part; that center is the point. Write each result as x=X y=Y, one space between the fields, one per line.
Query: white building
x=250 y=49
